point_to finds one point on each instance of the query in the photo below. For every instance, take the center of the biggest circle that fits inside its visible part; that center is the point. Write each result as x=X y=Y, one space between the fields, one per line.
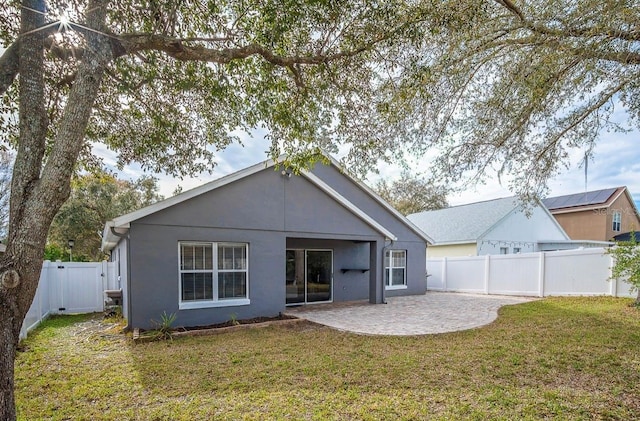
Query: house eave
x=454 y=243
x=578 y=242
x=112 y=235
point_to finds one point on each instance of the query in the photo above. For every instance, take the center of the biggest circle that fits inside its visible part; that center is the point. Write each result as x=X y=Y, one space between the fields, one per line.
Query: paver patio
x=434 y=312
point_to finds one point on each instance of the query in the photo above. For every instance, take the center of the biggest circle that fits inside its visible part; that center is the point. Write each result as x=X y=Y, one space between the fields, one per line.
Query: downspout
x=384 y=252
x=128 y=268
x=129 y=307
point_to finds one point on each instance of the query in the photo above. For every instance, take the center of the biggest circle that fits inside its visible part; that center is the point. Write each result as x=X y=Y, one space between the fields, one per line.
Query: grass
x=563 y=358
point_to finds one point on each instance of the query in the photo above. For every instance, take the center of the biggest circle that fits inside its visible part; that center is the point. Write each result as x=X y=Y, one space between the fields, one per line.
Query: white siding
x=518 y=231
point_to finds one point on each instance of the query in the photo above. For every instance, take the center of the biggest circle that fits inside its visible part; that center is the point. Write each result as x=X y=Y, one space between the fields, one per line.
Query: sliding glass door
x=309 y=276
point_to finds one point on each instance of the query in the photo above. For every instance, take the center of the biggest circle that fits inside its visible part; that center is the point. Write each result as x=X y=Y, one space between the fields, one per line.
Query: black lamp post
x=70 y=243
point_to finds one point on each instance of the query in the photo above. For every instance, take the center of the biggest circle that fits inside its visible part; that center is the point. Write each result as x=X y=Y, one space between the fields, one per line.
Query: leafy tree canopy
x=515 y=86
x=94 y=200
x=182 y=79
x=410 y=194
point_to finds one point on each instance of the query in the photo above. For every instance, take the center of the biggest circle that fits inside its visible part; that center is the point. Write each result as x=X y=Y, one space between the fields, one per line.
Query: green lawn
x=565 y=358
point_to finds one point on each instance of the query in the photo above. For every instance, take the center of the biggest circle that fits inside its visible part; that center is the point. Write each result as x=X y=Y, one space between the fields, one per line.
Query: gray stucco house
x=254 y=242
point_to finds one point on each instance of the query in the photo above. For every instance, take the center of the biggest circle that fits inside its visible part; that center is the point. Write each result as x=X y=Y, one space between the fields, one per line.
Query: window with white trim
x=395 y=269
x=617 y=221
x=504 y=250
x=213 y=272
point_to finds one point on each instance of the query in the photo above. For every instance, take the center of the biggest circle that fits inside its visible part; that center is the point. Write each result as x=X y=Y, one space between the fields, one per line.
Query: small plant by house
x=626 y=266
x=164 y=328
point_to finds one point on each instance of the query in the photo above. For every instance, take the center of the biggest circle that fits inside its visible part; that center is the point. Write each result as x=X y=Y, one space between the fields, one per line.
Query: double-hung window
x=213 y=274
x=617 y=221
x=395 y=269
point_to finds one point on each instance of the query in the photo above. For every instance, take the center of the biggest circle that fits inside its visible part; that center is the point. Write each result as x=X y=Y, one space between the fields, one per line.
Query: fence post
x=541 y=275
x=43 y=280
x=444 y=273
x=487 y=271
x=614 y=282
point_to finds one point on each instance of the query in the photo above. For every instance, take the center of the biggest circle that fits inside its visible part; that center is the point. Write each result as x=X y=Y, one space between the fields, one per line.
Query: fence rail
x=571 y=272
x=69 y=287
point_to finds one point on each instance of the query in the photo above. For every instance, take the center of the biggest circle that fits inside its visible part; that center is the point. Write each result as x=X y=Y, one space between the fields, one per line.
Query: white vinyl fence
x=571 y=272
x=70 y=287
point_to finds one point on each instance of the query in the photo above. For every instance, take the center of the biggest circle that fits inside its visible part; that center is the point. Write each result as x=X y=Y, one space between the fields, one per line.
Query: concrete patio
x=434 y=312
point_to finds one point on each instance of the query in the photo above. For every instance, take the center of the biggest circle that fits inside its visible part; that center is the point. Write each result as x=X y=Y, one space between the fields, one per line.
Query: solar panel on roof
x=579 y=199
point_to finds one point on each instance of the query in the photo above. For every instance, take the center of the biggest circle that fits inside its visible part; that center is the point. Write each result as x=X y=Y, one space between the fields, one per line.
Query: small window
x=395 y=269
x=617 y=221
x=211 y=273
x=504 y=250
x=516 y=250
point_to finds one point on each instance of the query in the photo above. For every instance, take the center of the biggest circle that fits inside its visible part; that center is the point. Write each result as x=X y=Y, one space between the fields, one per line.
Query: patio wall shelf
x=363 y=270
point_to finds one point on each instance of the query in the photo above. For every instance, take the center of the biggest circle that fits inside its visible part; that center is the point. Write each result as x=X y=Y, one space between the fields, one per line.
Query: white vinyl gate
x=70 y=287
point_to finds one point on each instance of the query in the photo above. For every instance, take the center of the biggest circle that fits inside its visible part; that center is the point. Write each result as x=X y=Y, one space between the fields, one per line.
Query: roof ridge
x=516 y=204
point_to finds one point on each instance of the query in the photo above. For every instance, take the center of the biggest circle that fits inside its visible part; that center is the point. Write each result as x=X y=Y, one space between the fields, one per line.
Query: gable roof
x=464 y=223
x=115 y=228
x=591 y=198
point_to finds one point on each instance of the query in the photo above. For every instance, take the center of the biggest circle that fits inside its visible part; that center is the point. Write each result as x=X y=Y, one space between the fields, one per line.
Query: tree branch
x=507 y=4
x=569 y=31
x=9 y=66
x=176 y=48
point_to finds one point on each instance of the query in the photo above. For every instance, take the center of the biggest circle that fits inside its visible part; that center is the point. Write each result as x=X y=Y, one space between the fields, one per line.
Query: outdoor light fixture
x=287 y=172
x=71 y=243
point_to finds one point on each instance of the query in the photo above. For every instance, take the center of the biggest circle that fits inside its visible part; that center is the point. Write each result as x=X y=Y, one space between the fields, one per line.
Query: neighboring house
x=597 y=215
x=627 y=236
x=251 y=243
x=3 y=248
x=497 y=226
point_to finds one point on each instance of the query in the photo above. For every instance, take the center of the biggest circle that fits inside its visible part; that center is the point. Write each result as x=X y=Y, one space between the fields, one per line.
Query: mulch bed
x=230 y=323
x=219 y=328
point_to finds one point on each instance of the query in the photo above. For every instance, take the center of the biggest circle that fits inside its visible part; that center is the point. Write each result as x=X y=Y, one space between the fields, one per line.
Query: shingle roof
x=590 y=198
x=465 y=222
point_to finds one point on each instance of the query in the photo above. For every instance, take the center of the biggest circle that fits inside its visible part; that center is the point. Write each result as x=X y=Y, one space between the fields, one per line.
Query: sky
x=615 y=162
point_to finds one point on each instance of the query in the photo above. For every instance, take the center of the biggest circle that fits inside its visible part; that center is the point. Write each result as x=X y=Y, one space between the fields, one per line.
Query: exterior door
x=309 y=276
x=295 y=277
x=319 y=275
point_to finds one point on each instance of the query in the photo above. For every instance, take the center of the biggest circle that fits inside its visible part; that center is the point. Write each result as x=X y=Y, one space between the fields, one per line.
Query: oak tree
x=515 y=86
x=95 y=199
x=411 y=193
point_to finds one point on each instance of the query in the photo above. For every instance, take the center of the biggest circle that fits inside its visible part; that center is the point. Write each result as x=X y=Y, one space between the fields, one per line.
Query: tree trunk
x=7 y=357
x=20 y=266
x=37 y=191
